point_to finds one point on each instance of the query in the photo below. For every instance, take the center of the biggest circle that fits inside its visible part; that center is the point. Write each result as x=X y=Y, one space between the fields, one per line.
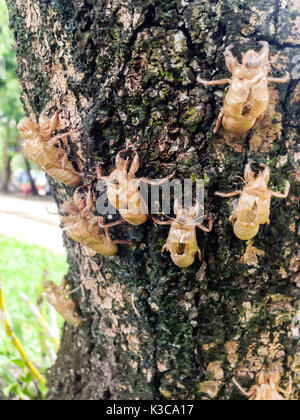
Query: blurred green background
x=22 y=263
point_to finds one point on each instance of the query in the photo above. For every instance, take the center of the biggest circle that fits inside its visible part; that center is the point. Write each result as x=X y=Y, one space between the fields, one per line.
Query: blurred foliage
x=22 y=270
x=11 y=109
x=20 y=386
x=10 y=104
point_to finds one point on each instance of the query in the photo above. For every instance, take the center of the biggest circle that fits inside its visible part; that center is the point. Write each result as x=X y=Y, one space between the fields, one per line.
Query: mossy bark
x=127 y=70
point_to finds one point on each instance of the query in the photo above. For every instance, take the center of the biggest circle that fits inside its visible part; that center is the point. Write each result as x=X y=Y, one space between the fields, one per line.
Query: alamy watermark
x=296 y=69
x=295 y=327
x=153 y=199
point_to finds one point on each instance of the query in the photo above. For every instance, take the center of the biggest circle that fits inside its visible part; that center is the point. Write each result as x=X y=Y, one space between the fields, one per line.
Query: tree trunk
x=31 y=180
x=6 y=174
x=127 y=70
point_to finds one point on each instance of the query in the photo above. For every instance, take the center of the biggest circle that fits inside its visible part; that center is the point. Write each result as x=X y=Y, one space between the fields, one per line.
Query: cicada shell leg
x=134 y=167
x=285 y=193
x=219 y=121
x=106 y=227
x=284 y=79
x=243 y=391
x=226 y=195
x=213 y=82
x=230 y=60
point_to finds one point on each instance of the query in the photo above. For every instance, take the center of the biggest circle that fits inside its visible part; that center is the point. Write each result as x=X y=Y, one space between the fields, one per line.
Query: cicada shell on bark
x=253 y=207
x=58 y=297
x=86 y=231
x=123 y=190
x=46 y=151
x=85 y=227
x=182 y=241
x=267 y=386
x=248 y=95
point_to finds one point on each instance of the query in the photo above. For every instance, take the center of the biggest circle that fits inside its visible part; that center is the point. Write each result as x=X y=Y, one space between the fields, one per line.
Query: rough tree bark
x=127 y=70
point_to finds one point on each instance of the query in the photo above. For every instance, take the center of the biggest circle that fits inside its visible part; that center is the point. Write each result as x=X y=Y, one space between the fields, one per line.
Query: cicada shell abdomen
x=88 y=233
x=237 y=119
x=66 y=176
x=136 y=212
x=245 y=231
x=245 y=217
x=182 y=244
x=125 y=197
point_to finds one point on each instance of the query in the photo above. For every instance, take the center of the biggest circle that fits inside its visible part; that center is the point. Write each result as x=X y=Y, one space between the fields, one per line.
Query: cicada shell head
x=79 y=196
x=257 y=183
x=49 y=286
x=251 y=60
x=119 y=175
x=28 y=129
x=68 y=209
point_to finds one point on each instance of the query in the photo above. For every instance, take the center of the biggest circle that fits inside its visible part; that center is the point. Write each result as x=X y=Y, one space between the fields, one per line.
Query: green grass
x=21 y=270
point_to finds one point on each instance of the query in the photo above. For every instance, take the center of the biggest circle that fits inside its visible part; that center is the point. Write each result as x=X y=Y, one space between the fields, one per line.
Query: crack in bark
x=277 y=8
